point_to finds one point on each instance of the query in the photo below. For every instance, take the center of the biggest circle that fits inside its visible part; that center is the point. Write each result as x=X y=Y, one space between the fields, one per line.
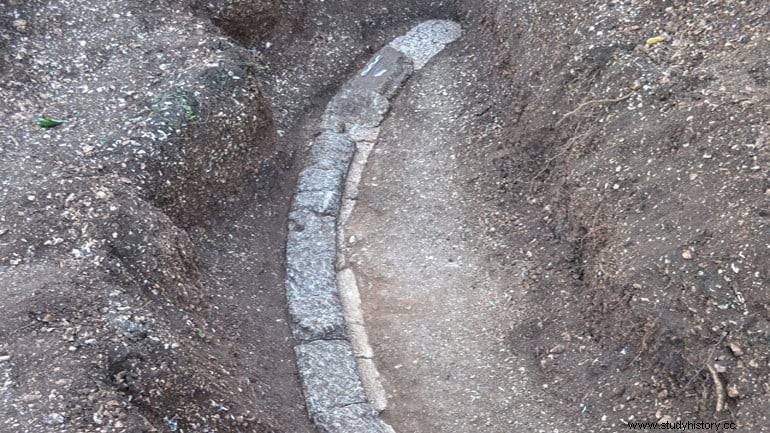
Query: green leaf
x=47 y=122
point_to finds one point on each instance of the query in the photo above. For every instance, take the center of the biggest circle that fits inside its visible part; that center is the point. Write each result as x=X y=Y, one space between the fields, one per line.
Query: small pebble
x=735 y=349
x=29 y=398
x=20 y=25
x=54 y=418
x=559 y=348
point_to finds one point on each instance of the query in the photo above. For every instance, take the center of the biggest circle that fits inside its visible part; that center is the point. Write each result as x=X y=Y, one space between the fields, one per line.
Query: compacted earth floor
x=436 y=301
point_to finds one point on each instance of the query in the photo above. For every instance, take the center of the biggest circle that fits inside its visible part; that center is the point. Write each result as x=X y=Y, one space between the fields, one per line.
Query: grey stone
x=350 y=296
x=360 y=340
x=325 y=203
x=426 y=40
x=332 y=151
x=370 y=377
x=311 y=287
x=353 y=106
x=330 y=123
x=303 y=282
x=310 y=255
x=357 y=418
x=310 y=239
x=329 y=376
x=364 y=100
x=384 y=73
x=320 y=184
x=54 y=418
x=317 y=317
x=317 y=179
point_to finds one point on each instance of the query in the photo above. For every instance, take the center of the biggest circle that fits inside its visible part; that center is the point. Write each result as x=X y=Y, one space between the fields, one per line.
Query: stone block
x=426 y=40
x=318 y=179
x=354 y=106
x=311 y=286
x=325 y=203
x=358 y=418
x=329 y=376
x=384 y=73
x=331 y=151
x=316 y=317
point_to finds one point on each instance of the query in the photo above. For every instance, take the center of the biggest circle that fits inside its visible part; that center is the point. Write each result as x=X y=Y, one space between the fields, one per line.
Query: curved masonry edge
x=335 y=362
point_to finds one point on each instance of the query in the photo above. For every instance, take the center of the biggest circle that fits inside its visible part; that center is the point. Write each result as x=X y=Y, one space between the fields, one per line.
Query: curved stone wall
x=335 y=361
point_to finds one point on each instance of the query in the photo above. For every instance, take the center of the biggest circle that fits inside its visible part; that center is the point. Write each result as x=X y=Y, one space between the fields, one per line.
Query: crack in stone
x=350 y=404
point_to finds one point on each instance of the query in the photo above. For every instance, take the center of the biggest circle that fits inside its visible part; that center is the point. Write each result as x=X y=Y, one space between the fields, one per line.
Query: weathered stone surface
x=331 y=123
x=354 y=106
x=302 y=283
x=310 y=251
x=317 y=192
x=316 y=317
x=363 y=135
x=320 y=183
x=384 y=73
x=329 y=376
x=360 y=340
x=350 y=296
x=363 y=102
x=311 y=287
x=426 y=40
x=317 y=179
x=310 y=241
x=370 y=377
x=331 y=151
x=322 y=202
x=357 y=418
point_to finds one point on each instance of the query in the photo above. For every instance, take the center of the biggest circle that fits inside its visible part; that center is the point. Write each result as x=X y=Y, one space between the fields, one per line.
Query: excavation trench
x=505 y=241
x=561 y=226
